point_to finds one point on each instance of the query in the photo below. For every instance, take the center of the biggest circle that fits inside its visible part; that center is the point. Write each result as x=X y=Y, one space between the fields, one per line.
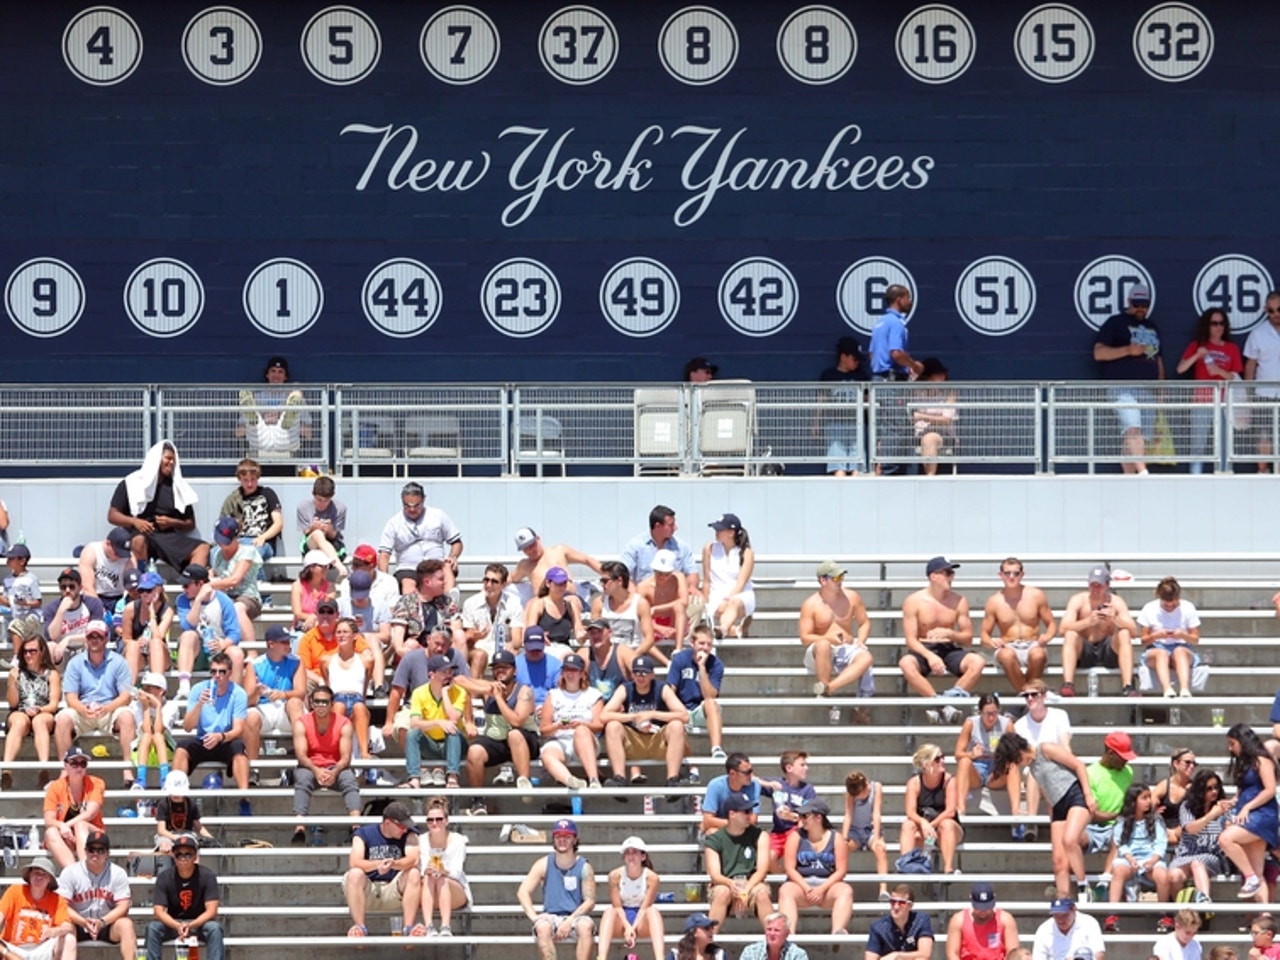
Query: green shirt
x=1109 y=786
x=737 y=854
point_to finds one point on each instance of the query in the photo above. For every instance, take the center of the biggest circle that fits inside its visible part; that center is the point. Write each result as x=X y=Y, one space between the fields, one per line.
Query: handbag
x=914 y=861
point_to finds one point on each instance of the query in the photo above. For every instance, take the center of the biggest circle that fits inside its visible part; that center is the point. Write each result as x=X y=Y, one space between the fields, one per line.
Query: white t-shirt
x=1168 y=948
x=1185 y=617
x=1263 y=346
x=475 y=611
x=1052 y=944
x=424 y=539
x=1054 y=728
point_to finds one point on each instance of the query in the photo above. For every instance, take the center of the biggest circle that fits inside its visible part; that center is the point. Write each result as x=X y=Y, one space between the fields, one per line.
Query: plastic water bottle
x=33 y=838
x=500 y=633
x=648 y=805
x=833 y=716
x=576 y=805
x=695 y=775
x=1093 y=683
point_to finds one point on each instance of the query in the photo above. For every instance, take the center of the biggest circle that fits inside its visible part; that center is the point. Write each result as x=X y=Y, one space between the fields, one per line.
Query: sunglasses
x=1035 y=695
x=747 y=772
x=95 y=849
x=184 y=856
x=322 y=703
x=436 y=819
x=1010 y=573
x=30 y=651
x=899 y=902
x=78 y=764
x=492 y=580
x=68 y=587
x=218 y=673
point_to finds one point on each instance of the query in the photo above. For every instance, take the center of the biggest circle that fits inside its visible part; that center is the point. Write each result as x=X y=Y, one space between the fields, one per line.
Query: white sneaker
x=952 y=715
x=1170 y=693
x=1186 y=693
x=524 y=783
x=575 y=783
x=986 y=804
x=717 y=753
x=933 y=716
x=437 y=777
x=505 y=775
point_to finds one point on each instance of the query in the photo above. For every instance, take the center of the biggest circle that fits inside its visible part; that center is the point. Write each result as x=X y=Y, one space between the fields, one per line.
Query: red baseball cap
x=366 y=554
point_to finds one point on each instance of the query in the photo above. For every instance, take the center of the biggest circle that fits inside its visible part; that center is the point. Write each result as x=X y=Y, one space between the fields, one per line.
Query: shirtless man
x=539 y=559
x=1097 y=631
x=834 y=629
x=937 y=628
x=668 y=596
x=1018 y=611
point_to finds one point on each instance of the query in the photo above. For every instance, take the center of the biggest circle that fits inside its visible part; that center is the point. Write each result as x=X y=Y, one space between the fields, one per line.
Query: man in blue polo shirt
x=904 y=933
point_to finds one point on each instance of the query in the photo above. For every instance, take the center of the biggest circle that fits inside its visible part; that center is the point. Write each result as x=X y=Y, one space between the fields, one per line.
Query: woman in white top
x=727 y=564
x=347 y=675
x=442 y=861
x=632 y=910
x=570 y=722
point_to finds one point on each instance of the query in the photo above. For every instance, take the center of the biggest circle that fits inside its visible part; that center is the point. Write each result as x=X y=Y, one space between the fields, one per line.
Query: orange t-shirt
x=314 y=652
x=57 y=797
x=26 y=920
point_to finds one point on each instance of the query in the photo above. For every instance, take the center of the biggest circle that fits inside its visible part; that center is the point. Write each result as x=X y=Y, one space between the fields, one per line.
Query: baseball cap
x=699 y=921
x=727 y=521
x=525 y=537
x=176 y=784
x=829 y=568
x=39 y=863
x=739 y=801
x=19 y=551
x=131 y=579
x=1118 y=742
x=939 y=565
x=226 y=531
x=187 y=840
x=599 y=623
x=73 y=752
x=119 y=538
x=152 y=679
x=278 y=634
x=574 y=662
x=534 y=638
x=632 y=843
x=69 y=573
x=280 y=362
x=360 y=582
x=438 y=662
x=642 y=665
x=98 y=627
x=365 y=554
x=315 y=558
x=97 y=839
x=982 y=895
x=503 y=657
x=1062 y=905
x=557 y=575
x=1099 y=574
x=816 y=805
x=564 y=825
x=397 y=812
x=664 y=561
x=194 y=572
x=1082 y=953
x=150 y=580
x=1140 y=294
x=700 y=363
x=848 y=345
x=327 y=606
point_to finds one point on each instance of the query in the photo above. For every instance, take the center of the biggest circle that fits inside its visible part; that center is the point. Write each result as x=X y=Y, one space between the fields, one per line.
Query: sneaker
x=6 y=780
x=1031 y=834
x=933 y=716
x=299 y=838
x=139 y=785
x=1067 y=690
x=437 y=777
x=1018 y=833
x=819 y=688
x=505 y=775
x=246 y=808
x=952 y=715
x=618 y=780
x=479 y=808
x=1170 y=693
x=1164 y=925
x=255 y=779
x=371 y=777
x=673 y=797
x=1185 y=694
x=717 y=753
x=884 y=896
x=1249 y=889
x=575 y=783
x=1111 y=924
x=524 y=783
x=385 y=779
x=986 y=804
x=594 y=784
x=446 y=932
x=1129 y=690
x=432 y=931
x=956 y=692
x=1203 y=897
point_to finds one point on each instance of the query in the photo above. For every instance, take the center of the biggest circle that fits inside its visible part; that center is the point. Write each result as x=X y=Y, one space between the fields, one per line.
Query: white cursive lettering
x=424 y=175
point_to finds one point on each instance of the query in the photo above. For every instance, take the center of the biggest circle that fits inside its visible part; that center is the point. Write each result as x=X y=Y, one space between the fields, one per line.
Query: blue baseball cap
x=564 y=825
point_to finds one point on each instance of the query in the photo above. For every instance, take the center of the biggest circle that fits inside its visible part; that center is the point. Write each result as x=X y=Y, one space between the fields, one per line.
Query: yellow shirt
x=424 y=704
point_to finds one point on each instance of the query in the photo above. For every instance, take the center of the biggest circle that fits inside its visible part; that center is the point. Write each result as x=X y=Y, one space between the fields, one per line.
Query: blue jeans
x=450 y=750
x=265 y=551
x=210 y=935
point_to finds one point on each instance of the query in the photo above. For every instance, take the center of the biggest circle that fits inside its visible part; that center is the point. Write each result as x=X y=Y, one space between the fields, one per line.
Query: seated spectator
x=21 y=589
x=144 y=627
x=834 y=628
x=443 y=867
x=905 y=934
x=510 y=734
x=419 y=612
x=66 y=619
x=937 y=629
x=626 y=612
x=556 y=610
x=975 y=755
x=1170 y=632
x=98 y=898
x=235 y=569
x=933 y=807
x=570 y=723
x=775 y=945
x=72 y=808
x=1097 y=631
x=210 y=625
x=216 y=710
x=275 y=686
x=439 y=721
x=384 y=591
x=1011 y=626
x=862 y=824
x=419 y=533
x=815 y=861
x=311 y=588
x=1203 y=814
x=1179 y=943
x=256 y=510
x=737 y=861
x=604 y=658
x=491 y=613
x=186 y=903
x=1169 y=793
x=1252 y=831
x=643 y=720
x=788 y=795
x=1262 y=931
x=737 y=780
x=697 y=942
x=382 y=869
x=667 y=593
x=348 y=676
x=34 y=691
x=727 y=564
x=700 y=370
x=372 y=620
x=154 y=718
x=1110 y=777
x=632 y=912
x=537 y=668
x=569 y=895
x=35 y=920
x=319 y=645
x=538 y=559
x=322 y=520
x=158 y=505
x=178 y=813
x=267 y=428
x=102 y=566
x=933 y=415
x=97 y=689
x=983 y=931
x=1141 y=845
x=637 y=555
x=1068 y=934
x=696 y=674
x=322 y=746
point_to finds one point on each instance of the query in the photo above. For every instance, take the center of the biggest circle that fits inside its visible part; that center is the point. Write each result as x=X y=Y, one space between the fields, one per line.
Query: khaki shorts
x=401 y=723
x=386 y=895
x=640 y=745
x=555 y=919
x=252 y=606
x=103 y=725
x=35 y=951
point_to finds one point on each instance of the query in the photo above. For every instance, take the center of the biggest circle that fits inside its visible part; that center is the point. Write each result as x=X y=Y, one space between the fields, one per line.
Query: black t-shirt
x=256 y=510
x=848 y=394
x=1122 y=330
x=186 y=899
x=633 y=701
x=161 y=504
x=179 y=815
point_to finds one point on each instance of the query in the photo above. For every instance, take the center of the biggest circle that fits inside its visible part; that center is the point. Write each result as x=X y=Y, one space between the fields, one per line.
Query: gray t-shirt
x=1054 y=779
x=335 y=513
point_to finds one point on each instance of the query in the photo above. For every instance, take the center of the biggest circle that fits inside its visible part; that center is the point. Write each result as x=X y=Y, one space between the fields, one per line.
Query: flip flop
x=358 y=930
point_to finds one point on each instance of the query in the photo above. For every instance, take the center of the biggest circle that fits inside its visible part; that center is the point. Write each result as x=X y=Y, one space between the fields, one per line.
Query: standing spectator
x=1215 y=358
x=98 y=690
x=1262 y=362
x=216 y=710
x=889 y=357
x=158 y=505
x=1011 y=624
x=937 y=629
x=36 y=922
x=696 y=673
x=1141 y=845
x=510 y=734
x=178 y=813
x=862 y=824
x=1180 y=944
x=846 y=456
x=569 y=895
x=418 y=533
x=933 y=807
x=1128 y=348
x=103 y=564
x=322 y=744
x=984 y=931
x=34 y=692
x=440 y=720
x=644 y=720
x=700 y=370
x=490 y=613
x=144 y=626
x=775 y=945
x=637 y=555
x=72 y=808
x=235 y=569
x=209 y=623
x=1097 y=631
x=1203 y=816
x=256 y=510
x=787 y=796
x=632 y=911
x=570 y=722
x=834 y=628
x=975 y=755
x=443 y=867
x=1068 y=934
x=727 y=564
x=154 y=718
x=815 y=861
x=1170 y=631
x=275 y=686
x=1040 y=724
x=382 y=869
x=186 y=903
x=66 y=619
x=697 y=942
x=98 y=898
x=737 y=861
x=904 y=934
x=312 y=588
x=322 y=520
x=1252 y=830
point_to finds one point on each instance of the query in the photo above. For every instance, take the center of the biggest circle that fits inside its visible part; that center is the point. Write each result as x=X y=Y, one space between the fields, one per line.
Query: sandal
x=358 y=930
x=451 y=782
x=410 y=784
x=418 y=930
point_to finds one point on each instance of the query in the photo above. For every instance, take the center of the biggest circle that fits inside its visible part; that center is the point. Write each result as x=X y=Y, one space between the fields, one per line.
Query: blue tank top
x=816 y=863
x=562 y=889
x=276 y=676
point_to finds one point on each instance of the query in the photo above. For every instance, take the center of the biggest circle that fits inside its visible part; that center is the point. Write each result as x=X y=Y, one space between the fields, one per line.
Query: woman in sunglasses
x=444 y=879
x=1172 y=790
x=35 y=688
x=1202 y=815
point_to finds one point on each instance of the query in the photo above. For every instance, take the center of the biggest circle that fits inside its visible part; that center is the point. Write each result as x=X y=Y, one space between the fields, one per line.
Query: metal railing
x=734 y=427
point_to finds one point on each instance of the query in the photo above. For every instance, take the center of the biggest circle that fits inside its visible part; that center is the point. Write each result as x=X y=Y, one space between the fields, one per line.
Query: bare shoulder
x=852 y=596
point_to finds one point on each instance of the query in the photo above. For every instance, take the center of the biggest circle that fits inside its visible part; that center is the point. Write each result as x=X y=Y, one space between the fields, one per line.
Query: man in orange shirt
x=72 y=808
x=36 y=923
x=320 y=643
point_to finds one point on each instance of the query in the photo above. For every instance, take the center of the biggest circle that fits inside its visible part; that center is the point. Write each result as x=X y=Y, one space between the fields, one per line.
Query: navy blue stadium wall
x=558 y=192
